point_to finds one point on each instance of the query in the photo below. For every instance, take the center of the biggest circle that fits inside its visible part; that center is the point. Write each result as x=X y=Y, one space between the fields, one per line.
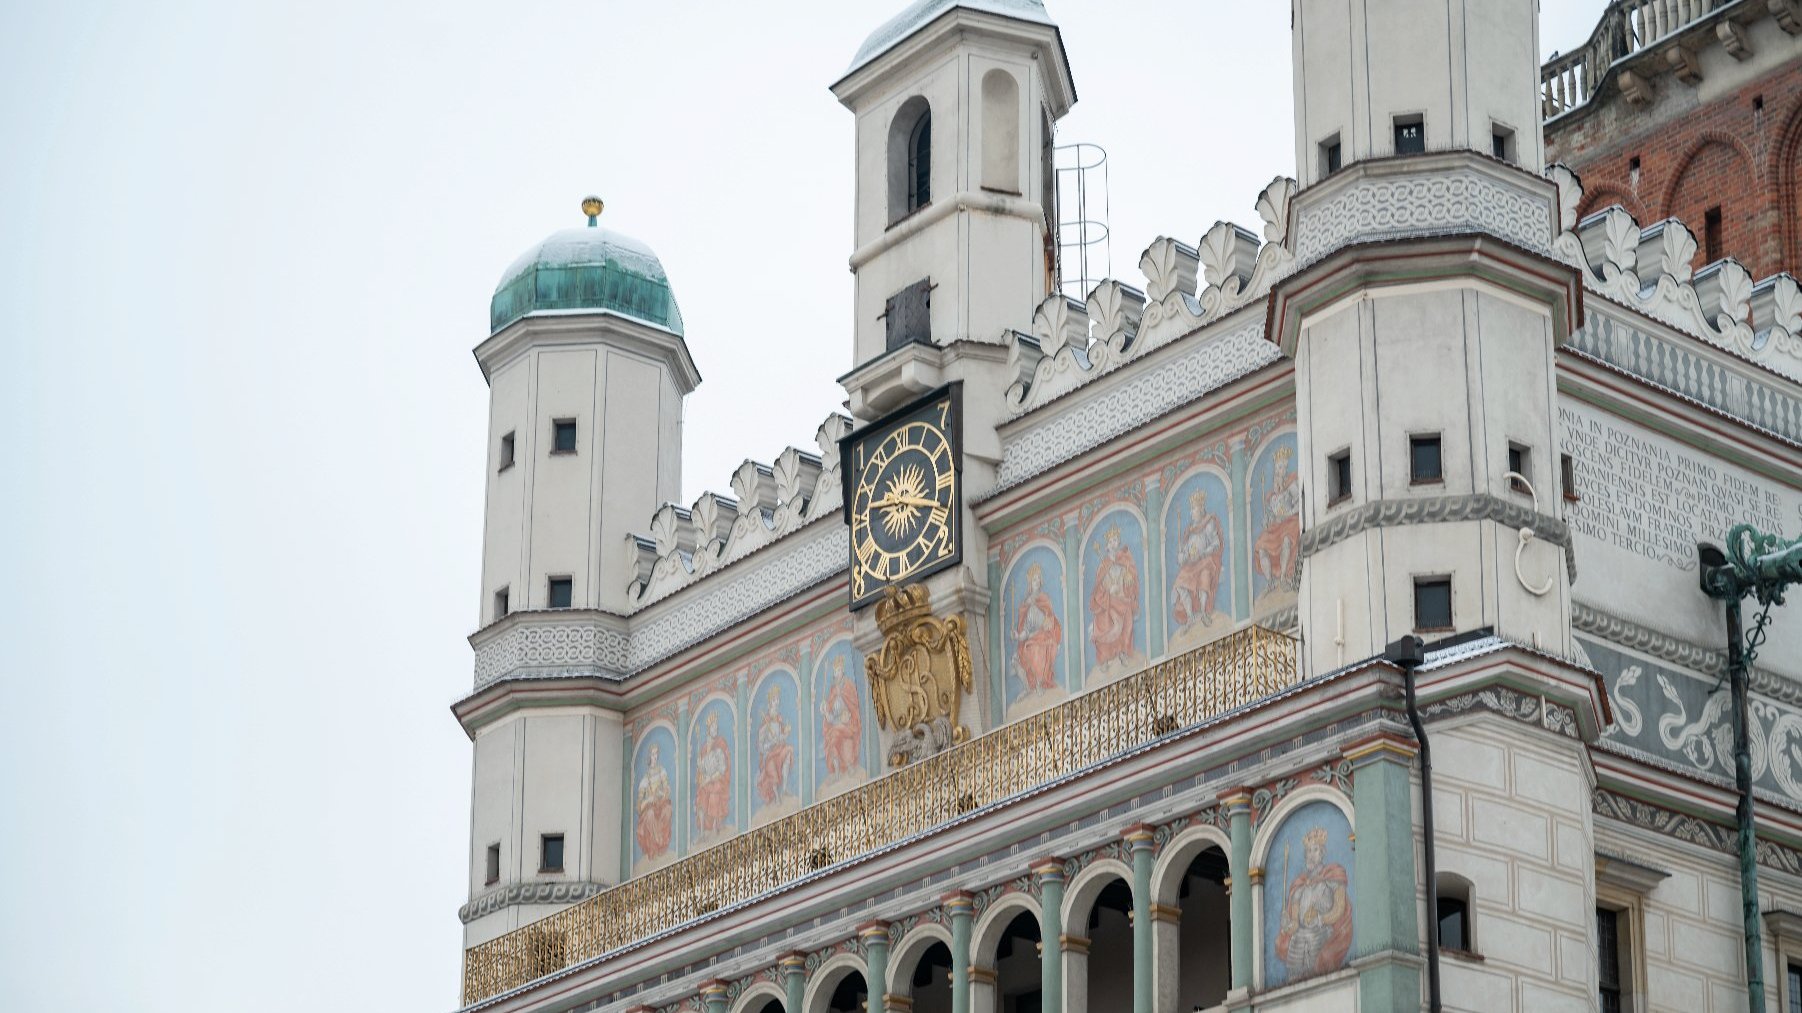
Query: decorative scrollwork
x=920 y=674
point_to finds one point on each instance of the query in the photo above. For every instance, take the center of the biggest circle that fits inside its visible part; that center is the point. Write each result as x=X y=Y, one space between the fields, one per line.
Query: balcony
x=1626 y=28
x=1232 y=672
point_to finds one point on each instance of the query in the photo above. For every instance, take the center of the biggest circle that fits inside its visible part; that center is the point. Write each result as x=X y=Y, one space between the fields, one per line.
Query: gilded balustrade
x=1238 y=669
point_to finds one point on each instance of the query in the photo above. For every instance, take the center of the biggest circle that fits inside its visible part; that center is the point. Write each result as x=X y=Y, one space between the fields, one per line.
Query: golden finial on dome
x=592 y=206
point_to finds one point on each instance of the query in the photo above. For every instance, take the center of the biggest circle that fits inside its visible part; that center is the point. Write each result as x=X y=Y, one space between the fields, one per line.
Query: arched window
x=909 y=159
x=1000 y=132
x=1453 y=916
x=919 y=163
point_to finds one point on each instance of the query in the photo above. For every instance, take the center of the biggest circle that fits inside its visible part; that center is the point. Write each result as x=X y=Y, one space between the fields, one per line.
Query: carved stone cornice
x=560 y=892
x=1394 y=198
x=1388 y=513
x=1691 y=829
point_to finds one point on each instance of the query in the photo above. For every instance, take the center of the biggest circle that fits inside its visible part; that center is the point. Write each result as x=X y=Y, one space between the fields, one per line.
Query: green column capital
x=713 y=995
x=793 y=967
x=875 y=939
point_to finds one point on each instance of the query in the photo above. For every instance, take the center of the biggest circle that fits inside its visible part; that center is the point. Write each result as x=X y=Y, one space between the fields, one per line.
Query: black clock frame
x=876 y=431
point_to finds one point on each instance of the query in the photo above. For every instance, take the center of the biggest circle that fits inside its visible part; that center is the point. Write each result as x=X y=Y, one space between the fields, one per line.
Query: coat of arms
x=918 y=675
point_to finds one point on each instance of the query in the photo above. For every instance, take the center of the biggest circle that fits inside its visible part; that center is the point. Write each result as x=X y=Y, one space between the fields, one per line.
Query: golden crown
x=902 y=605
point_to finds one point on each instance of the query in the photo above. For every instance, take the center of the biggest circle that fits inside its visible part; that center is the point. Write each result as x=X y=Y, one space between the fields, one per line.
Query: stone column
x=1076 y=972
x=875 y=947
x=794 y=981
x=1166 y=954
x=1139 y=843
x=983 y=998
x=713 y=995
x=961 y=906
x=1385 y=920
x=1050 y=874
x=1237 y=806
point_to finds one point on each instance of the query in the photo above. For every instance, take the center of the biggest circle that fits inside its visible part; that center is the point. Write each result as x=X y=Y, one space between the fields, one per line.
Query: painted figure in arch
x=775 y=752
x=1276 y=547
x=713 y=779
x=1314 y=933
x=1114 y=603
x=1038 y=634
x=841 y=722
x=651 y=801
x=1198 y=556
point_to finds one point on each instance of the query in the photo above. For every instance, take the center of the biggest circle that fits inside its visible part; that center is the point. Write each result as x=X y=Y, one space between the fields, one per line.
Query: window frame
x=1423 y=580
x=1630 y=949
x=1332 y=155
x=492 y=861
x=1416 y=440
x=544 y=842
x=557 y=429
x=550 y=590
x=1523 y=467
x=1339 y=477
x=1567 y=478
x=1503 y=142
x=502 y=603
x=1400 y=122
x=508 y=450
x=919 y=170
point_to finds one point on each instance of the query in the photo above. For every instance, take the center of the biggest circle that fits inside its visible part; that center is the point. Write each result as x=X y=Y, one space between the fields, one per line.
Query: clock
x=903 y=494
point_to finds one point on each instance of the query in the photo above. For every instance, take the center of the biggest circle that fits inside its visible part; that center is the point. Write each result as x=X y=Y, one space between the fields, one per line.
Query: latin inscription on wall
x=1656 y=499
x=1643 y=502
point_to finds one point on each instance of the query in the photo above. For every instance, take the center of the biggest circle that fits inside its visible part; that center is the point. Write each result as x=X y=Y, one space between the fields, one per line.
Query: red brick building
x=1690 y=109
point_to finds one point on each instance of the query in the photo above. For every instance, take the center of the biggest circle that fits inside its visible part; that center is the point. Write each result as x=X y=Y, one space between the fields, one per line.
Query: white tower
x=1424 y=320
x=587 y=369
x=954 y=224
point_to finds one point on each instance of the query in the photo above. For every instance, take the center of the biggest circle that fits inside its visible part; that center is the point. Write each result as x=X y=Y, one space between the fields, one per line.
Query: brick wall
x=1738 y=152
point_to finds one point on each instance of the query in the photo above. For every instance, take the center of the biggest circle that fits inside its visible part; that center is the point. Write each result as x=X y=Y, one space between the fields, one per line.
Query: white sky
x=245 y=249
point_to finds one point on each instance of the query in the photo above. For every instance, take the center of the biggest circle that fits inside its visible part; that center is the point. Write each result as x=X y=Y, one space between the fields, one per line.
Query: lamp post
x=1763 y=567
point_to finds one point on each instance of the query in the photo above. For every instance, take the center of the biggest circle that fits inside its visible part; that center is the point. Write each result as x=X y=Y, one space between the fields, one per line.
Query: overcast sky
x=245 y=250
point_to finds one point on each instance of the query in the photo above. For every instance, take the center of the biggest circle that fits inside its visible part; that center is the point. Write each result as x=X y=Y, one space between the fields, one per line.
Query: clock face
x=903 y=506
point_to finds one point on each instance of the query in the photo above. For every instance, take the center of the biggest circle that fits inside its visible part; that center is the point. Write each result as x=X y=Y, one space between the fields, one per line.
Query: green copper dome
x=586 y=269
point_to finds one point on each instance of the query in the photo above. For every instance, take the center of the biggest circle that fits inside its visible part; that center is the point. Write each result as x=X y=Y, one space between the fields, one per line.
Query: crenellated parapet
x=1186 y=288
x=1650 y=269
x=768 y=502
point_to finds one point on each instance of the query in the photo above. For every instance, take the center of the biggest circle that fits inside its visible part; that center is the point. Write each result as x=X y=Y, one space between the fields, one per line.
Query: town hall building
x=1312 y=621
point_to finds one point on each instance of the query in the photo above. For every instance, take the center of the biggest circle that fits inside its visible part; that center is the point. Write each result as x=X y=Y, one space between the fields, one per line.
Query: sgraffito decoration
x=1307 y=895
x=919 y=675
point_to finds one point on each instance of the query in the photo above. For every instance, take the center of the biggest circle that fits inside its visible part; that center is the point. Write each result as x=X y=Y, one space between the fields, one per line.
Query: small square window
x=563 y=436
x=1410 y=135
x=1501 y=142
x=1567 y=475
x=1425 y=465
x=494 y=865
x=561 y=593
x=1433 y=603
x=1520 y=462
x=500 y=604
x=551 y=853
x=1331 y=157
x=1338 y=477
x=506 y=452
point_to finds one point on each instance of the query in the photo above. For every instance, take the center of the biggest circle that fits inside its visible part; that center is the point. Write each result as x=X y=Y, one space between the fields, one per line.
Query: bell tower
x=954 y=236
x=1424 y=319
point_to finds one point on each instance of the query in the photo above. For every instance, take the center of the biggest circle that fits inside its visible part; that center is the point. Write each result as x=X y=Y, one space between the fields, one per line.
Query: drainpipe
x=1407 y=654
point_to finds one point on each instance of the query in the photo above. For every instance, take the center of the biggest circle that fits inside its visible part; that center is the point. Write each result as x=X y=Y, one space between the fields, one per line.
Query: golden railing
x=1236 y=670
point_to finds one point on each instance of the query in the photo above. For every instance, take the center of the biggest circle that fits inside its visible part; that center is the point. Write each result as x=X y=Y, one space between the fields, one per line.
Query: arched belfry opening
x=910 y=158
x=1000 y=132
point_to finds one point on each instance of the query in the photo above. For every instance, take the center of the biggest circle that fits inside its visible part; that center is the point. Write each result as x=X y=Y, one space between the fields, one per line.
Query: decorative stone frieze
x=1438 y=510
x=568 y=892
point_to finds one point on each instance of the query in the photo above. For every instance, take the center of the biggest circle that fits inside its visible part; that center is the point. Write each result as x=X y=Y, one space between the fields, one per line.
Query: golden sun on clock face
x=904 y=507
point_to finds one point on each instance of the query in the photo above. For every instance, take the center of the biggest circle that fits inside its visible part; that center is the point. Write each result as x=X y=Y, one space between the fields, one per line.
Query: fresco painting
x=1197 y=563
x=842 y=709
x=1033 y=621
x=1113 y=560
x=776 y=745
x=1307 y=895
x=1275 y=523
x=710 y=742
x=653 y=800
